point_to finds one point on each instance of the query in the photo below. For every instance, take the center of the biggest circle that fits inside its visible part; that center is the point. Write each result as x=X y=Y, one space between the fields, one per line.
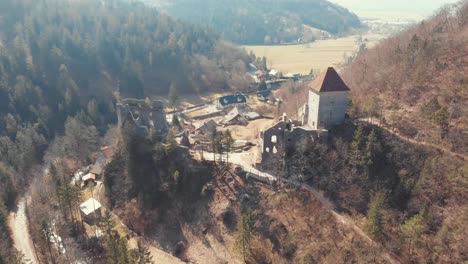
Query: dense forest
x=265 y=22
x=416 y=82
x=65 y=59
x=63 y=63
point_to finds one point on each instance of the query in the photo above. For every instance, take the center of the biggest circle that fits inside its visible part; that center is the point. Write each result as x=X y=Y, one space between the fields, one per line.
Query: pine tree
x=371 y=154
x=175 y=121
x=413 y=229
x=173 y=95
x=46 y=239
x=441 y=119
x=141 y=255
x=71 y=198
x=375 y=221
x=215 y=143
x=245 y=233
x=170 y=141
x=228 y=142
x=116 y=246
x=357 y=144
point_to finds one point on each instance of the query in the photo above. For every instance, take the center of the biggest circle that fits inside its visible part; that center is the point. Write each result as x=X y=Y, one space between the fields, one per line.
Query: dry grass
x=317 y=55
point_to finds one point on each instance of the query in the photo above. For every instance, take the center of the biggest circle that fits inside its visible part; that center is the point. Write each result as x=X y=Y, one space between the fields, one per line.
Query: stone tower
x=328 y=101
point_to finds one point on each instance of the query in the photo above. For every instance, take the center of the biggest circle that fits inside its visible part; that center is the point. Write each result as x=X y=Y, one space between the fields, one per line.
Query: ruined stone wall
x=282 y=136
x=143 y=115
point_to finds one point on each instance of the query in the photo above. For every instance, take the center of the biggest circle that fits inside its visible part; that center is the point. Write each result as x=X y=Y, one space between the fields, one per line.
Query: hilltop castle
x=325 y=108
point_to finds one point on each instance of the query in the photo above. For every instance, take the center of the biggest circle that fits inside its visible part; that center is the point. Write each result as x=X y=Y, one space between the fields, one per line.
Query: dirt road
x=245 y=161
x=377 y=122
x=18 y=223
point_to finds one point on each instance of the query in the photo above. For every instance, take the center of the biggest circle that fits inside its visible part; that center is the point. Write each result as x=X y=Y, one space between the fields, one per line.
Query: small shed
x=91 y=211
x=88 y=178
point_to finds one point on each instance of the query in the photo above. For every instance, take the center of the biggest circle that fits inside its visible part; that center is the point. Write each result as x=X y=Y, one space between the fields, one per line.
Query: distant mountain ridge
x=263 y=22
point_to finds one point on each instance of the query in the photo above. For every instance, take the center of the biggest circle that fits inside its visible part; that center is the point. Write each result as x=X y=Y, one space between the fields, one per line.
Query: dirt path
x=245 y=161
x=377 y=122
x=18 y=223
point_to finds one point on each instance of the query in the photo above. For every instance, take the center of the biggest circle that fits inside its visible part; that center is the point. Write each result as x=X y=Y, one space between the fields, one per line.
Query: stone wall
x=326 y=109
x=144 y=115
x=283 y=135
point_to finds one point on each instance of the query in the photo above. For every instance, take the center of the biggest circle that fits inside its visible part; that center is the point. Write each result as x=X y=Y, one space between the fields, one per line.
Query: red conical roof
x=329 y=82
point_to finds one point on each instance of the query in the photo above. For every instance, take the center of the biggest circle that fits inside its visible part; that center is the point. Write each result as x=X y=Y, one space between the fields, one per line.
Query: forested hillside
x=264 y=22
x=400 y=167
x=66 y=61
x=409 y=198
x=61 y=59
x=417 y=82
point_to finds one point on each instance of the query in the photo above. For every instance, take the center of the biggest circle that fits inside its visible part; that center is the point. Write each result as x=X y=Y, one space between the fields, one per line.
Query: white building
x=328 y=101
x=91 y=211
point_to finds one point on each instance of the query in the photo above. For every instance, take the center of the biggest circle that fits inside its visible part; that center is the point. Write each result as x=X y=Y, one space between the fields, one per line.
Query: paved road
x=20 y=233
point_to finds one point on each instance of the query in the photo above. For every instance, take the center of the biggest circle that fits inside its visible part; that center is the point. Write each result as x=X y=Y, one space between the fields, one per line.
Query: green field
x=317 y=55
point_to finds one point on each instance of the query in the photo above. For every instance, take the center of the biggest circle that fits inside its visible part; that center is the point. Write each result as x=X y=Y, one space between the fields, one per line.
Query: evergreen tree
x=173 y=95
x=216 y=144
x=357 y=145
x=46 y=242
x=371 y=154
x=375 y=221
x=142 y=255
x=441 y=119
x=176 y=122
x=244 y=235
x=413 y=229
x=228 y=142
x=71 y=197
x=170 y=141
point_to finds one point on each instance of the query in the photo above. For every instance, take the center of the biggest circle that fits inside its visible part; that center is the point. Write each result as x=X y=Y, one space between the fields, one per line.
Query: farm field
x=317 y=55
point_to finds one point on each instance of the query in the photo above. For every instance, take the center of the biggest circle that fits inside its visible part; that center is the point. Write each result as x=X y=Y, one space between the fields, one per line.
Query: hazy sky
x=420 y=8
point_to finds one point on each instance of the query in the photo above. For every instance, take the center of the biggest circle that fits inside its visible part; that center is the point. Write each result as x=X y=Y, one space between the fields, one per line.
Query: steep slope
x=264 y=22
x=417 y=81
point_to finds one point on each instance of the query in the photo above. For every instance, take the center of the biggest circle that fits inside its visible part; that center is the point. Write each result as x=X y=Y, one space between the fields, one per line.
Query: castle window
x=274 y=139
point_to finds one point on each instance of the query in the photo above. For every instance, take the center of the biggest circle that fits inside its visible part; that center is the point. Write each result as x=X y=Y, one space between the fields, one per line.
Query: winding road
x=18 y=223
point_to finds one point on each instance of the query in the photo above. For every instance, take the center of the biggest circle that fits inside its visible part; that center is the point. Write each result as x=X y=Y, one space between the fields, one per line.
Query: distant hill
x=417 y=81
x=263 y=22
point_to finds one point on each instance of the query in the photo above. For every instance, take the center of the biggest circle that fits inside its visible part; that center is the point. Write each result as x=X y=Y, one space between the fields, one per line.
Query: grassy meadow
x=317 y=55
